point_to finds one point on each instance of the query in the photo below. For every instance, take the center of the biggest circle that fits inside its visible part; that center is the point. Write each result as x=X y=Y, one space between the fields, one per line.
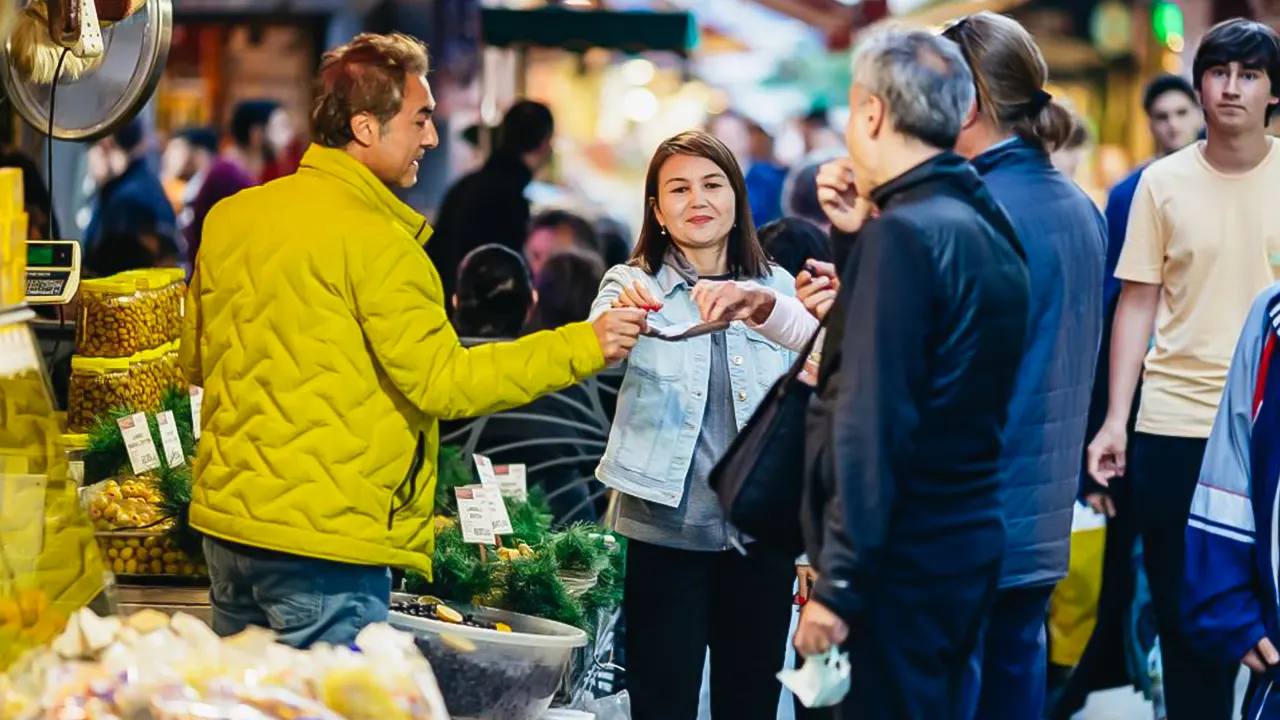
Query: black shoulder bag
x=760 y=480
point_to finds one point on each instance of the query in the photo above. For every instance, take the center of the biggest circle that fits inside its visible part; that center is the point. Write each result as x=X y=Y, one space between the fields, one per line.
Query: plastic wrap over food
x=151 y=667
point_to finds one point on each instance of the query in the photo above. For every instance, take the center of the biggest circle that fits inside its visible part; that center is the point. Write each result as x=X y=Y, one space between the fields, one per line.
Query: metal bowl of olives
x=490 y=664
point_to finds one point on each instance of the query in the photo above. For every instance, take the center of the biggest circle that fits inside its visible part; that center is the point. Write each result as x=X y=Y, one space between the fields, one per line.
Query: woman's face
x=695 y=202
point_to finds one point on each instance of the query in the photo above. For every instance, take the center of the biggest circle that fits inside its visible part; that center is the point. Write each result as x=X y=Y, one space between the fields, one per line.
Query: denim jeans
x=304 y=600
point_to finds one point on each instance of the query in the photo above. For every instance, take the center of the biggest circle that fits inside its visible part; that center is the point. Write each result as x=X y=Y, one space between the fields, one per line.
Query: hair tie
x=1038 y=102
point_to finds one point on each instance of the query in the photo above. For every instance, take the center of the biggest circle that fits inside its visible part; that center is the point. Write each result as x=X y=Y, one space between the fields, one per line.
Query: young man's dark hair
x=526 y=126
x=1162 y=84
x=1252 y=44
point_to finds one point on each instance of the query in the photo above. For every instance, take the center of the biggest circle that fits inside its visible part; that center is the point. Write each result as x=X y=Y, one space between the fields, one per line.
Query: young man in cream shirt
x=1203 y=240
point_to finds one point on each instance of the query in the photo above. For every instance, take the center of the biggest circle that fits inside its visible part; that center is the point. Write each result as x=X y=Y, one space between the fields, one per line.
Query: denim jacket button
x=742 y=395
x=737 y=359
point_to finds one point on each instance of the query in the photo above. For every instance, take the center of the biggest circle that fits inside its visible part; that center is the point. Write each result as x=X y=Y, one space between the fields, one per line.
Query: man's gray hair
x=922 y=78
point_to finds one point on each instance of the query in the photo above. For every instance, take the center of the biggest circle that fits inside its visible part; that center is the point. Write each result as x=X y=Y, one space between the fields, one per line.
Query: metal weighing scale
x=53 y=271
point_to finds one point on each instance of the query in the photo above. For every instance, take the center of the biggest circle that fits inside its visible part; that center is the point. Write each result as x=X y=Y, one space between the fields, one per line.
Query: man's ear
x=971 y=117
x=364 y=129
x=877 y=116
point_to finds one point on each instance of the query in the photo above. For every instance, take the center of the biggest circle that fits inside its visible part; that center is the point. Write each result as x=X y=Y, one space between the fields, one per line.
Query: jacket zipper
x=419 y=457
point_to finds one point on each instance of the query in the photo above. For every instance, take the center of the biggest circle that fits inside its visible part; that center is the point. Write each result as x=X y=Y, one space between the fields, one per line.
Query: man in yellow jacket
x=317 y=327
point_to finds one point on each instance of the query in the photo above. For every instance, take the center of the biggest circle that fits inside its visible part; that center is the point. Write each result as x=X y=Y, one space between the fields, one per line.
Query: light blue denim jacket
x=663 y=394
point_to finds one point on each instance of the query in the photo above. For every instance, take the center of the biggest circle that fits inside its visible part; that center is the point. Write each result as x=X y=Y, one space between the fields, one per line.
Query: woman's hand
x=817 y=287
x=806 y=577
x=637 y=296
x=731 y=300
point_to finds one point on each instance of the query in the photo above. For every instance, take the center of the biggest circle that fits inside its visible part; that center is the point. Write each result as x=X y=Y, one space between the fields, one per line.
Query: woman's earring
x=664 y=229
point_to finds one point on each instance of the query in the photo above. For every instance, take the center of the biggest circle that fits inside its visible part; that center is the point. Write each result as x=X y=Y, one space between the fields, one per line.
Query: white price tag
x=473 y=512
x=197 y=400
x=497 y=509
x=138 y=443
x=485 y=468
x=513 y=479
x=173 y=454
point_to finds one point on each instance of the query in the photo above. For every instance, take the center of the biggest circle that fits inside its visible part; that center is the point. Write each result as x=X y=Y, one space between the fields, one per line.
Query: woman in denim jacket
x=692 y=583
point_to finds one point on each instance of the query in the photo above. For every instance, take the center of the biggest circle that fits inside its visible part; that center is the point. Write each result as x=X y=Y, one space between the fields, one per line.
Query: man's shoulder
x=1125 y=188
x=1174 y=169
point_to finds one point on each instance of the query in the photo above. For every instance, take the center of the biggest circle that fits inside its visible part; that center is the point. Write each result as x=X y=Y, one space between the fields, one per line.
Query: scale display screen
x=39 y=255
x=53 y=271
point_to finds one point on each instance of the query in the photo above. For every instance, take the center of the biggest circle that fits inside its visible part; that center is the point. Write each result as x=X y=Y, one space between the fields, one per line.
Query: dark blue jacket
x=1065 y=239
x=1118 y=204
x=129 y=205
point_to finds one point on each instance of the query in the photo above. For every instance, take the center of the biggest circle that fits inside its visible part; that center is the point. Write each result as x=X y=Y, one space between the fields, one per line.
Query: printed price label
x=197 y=400
x=473 y=512
x=138 y=443
x=513 y=480
x=497 y=509
x=173 y=455
x=485 y=468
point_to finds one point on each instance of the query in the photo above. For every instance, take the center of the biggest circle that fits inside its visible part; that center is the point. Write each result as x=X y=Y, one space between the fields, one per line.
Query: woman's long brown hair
x=746 y=258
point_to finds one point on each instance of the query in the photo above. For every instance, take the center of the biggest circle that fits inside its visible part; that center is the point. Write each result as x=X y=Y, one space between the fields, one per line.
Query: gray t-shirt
x=698 y=523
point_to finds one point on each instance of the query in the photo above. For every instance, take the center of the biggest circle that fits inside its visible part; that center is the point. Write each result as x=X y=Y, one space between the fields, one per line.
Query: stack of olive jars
x=126 y=344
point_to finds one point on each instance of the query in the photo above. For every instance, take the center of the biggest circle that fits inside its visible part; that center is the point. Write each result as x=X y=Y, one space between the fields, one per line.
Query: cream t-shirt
x=1212 y=241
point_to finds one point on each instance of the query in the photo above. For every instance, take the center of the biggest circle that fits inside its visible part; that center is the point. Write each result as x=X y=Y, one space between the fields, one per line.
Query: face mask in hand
x=823 y=681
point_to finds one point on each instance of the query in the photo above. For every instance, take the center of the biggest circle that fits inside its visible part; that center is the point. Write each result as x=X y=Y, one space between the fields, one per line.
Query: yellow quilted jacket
x=316 y=325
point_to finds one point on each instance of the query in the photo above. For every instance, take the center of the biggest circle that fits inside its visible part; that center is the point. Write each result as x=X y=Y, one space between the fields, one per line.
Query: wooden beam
x=825 y=15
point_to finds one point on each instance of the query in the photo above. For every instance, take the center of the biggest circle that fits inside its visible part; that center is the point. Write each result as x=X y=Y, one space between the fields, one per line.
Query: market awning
x=833 y=19
x=581 y=30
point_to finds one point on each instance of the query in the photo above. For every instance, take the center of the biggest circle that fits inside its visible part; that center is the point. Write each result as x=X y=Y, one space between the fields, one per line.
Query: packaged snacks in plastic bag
x=150 y=667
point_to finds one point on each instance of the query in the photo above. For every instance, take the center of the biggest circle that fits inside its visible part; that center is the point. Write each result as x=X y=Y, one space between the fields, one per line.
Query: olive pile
x=117 y=326
x=130 y=312
x=433 y=609
x=174 y=375
x=149 y=378
x=94 y=390
x=172 y=298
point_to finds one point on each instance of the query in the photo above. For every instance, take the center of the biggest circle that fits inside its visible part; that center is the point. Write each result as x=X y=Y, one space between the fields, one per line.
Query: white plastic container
x=491 y=675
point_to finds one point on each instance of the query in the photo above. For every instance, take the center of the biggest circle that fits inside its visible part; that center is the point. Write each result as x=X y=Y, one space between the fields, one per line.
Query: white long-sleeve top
x=790 y=324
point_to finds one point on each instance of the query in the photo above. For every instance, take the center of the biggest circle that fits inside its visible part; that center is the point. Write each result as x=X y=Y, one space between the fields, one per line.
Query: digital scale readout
x=53 y=271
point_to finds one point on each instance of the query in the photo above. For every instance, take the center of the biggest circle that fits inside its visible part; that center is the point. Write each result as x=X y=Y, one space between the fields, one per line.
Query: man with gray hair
x=901 y=512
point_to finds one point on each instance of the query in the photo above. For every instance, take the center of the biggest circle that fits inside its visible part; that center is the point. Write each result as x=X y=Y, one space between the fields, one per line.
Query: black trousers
x=678 y=603
x=1165 y=471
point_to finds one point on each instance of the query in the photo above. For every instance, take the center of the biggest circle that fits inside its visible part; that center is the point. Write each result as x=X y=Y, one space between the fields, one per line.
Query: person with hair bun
x=1009 y=135
x=495 y=293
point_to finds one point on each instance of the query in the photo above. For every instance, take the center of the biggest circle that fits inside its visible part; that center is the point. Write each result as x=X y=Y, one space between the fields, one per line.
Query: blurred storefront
x=622 y=78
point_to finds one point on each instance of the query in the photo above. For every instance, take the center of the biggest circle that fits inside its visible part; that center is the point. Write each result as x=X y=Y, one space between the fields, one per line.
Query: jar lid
x=152 y=355
x=99 y=366
x=75 y=441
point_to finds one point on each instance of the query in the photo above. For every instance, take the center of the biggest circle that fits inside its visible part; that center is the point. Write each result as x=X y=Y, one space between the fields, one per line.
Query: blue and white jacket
x=1230 y=598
